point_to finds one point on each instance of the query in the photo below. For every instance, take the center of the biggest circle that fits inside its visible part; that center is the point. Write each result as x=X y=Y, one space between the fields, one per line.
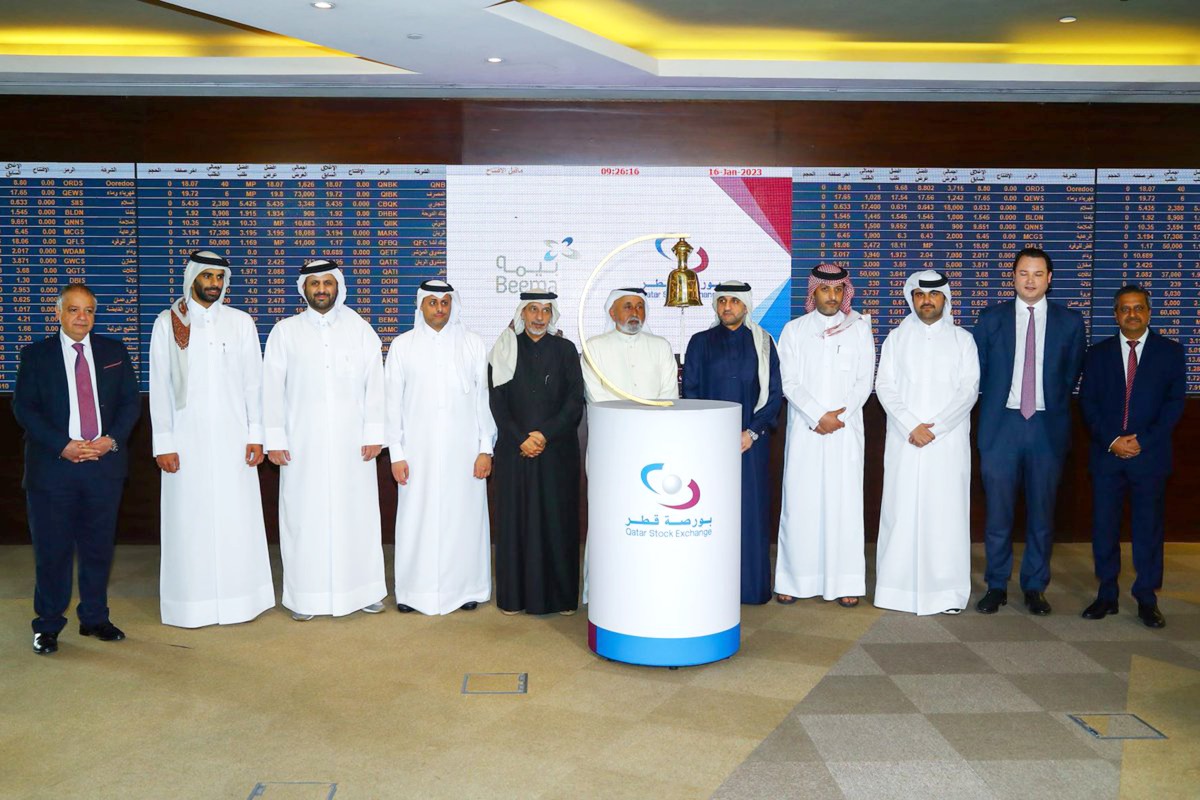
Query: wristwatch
x=114 y=447
x=753 y=435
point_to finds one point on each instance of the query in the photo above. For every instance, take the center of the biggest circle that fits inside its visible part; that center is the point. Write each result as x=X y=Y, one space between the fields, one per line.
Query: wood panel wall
x=305 y=130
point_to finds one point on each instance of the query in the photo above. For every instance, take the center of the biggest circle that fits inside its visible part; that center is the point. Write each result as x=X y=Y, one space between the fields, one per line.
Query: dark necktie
x=1130 y=372
x=89 y=428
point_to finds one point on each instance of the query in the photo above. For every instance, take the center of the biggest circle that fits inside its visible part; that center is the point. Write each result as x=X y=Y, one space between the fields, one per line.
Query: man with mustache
x=537 y=401
x=828 y=361
x=1132 y=396
x=440 y=437
x=632 y=357
x=928 y=382
x=77 y=400
x=1030 y=354
x=323 y=418
x=735 y=360
x=206 y=409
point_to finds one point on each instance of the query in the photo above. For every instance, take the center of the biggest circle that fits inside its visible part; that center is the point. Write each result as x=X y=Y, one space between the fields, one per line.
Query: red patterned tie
x=88 y=427
x=1130 y=372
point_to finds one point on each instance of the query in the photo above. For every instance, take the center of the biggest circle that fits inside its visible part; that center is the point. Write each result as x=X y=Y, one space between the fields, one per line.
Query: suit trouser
x=1024 y=458
x=78 y=515
x=1147 y=500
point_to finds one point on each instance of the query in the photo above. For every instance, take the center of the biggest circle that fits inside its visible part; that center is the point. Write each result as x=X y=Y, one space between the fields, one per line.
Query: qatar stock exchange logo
x=680 y=521
x=670 y=487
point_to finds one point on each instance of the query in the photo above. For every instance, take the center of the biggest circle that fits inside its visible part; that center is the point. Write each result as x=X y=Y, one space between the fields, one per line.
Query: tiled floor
x=820 y=702
x=972 y=706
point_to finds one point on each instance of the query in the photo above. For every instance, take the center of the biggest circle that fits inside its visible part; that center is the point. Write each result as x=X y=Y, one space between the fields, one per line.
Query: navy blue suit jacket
x=42 y=407
x=996 y=339
x=1159 y=394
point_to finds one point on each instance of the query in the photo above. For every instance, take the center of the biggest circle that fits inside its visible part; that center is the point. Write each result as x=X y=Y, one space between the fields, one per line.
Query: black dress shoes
x=469 y=606
x=45 y=643
x=1037 y=604
x=105 y=631
x=1150 y=616
x=991 y=601
x=1100 y=609
x=403 y=609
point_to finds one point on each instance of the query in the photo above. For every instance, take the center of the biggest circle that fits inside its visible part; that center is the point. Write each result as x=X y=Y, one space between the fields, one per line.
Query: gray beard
x=630 y=326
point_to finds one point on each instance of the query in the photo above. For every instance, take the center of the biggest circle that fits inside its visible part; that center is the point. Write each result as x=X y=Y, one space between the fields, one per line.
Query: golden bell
x=683 y=285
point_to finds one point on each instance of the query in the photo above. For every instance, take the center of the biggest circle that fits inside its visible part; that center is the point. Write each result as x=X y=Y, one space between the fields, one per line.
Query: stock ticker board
x=1148 y=232
x=886 y=223
x=126 y=229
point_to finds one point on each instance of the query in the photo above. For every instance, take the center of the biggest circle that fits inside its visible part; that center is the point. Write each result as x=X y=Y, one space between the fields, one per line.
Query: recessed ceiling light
x=495 y=60
x=1068 y=19
x=415 y=36
x=322 y=5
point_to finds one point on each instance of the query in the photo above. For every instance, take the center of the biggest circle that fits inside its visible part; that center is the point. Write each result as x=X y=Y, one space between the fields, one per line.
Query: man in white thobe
x=928 y=382
x=633 y=359
x=827 y=361
x=206 y=409
x=630 y=356
x=323 y=414
x=440 y=435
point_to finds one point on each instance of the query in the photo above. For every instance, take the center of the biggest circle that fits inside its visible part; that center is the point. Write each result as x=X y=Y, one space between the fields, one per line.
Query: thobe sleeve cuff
x=485 y=445
x=909 y=421
x=276 y=438
x=813 y=412
x=396 y=452
x=254 y=433
x=372 y=433
x=164 y=443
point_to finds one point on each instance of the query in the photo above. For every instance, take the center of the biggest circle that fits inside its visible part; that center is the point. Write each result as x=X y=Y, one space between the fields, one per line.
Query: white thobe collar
x=198 y=312
x=321 y=320
x=934 y=328
x=824 y=323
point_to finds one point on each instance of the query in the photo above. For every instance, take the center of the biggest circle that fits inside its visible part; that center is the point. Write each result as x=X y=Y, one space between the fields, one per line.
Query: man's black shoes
x=105 y=631
x=403 y=609
x=45 y=643
x=1100 y=609
x=1037 y=604
x=470 y=605
x=1150 y=616
x=991 y=601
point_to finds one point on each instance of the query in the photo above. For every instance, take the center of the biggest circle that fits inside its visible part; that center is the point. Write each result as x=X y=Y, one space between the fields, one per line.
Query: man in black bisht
x=537 y=401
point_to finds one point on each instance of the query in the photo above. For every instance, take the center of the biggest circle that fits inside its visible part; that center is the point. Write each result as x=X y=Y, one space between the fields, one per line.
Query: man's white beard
x=630 y=326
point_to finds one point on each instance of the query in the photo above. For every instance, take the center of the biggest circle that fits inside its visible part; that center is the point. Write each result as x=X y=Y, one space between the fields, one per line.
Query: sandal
x=847 y=602
x=785 y=600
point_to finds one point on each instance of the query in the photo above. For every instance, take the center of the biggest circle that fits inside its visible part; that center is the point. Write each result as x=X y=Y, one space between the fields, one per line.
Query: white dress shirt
x=69 y=356
x=1040 y=312
x=1141 y=344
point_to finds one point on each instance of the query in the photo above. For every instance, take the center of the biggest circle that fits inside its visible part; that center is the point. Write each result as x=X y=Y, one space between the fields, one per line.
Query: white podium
x=664 y=531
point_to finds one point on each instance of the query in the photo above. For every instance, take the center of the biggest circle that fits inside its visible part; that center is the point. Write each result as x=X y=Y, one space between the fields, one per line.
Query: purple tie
x=1029 y=372
x=1130 y=372
x=88 y=427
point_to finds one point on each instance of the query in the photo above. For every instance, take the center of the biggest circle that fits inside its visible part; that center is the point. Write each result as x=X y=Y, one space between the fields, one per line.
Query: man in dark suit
x=1030 y=354
x=77 y=399
x=1133 y=393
